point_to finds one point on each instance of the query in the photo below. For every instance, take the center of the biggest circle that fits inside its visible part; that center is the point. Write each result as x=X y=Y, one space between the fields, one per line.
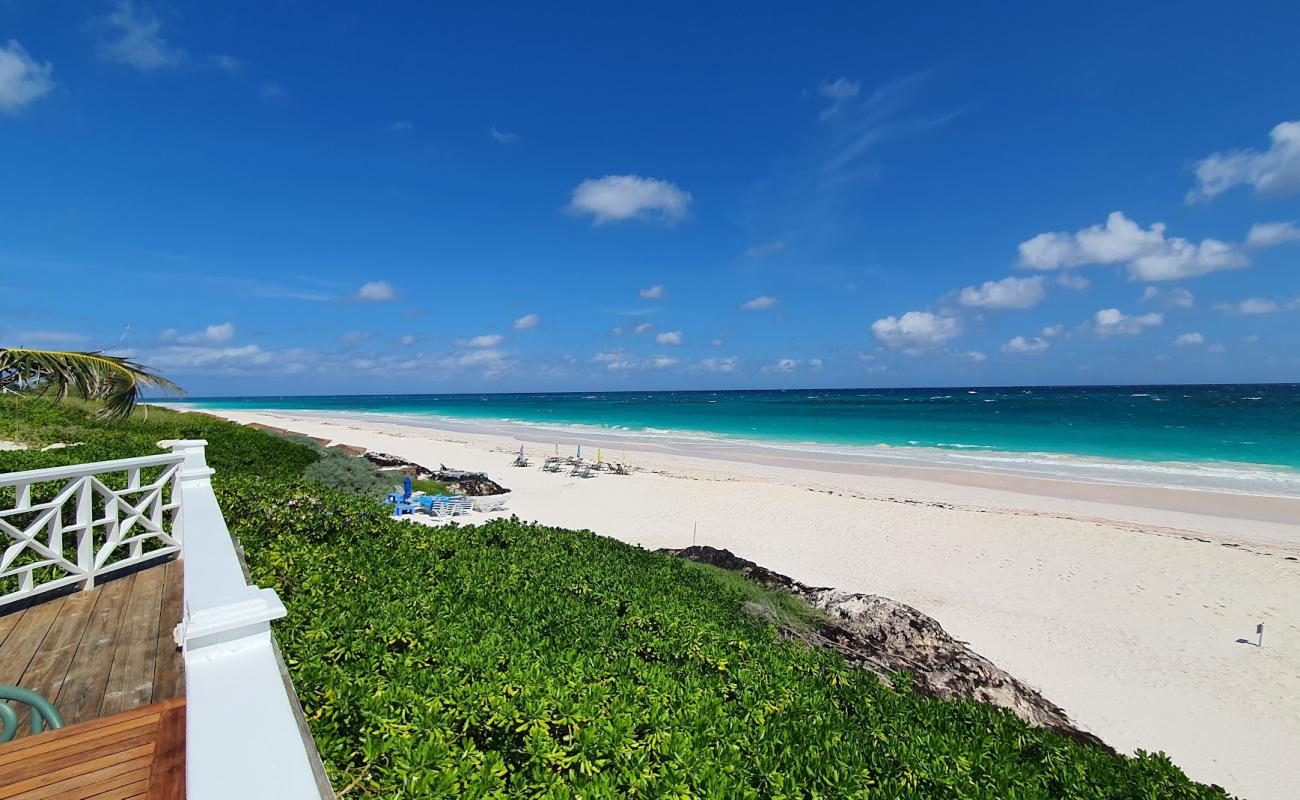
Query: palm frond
x=114 y=381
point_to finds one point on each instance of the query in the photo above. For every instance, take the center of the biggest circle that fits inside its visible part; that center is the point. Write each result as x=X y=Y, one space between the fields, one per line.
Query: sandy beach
x=1125 y=605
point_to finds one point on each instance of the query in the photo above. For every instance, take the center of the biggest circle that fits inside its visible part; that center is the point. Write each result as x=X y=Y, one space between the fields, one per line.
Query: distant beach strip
x=1231 y=438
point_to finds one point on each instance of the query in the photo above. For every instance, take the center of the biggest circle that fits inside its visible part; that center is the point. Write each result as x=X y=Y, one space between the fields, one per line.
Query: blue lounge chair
x=405 y=496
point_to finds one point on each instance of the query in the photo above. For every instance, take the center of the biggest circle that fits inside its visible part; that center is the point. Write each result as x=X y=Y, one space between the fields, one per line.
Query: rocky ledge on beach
x=470 y=484
x=888 y=637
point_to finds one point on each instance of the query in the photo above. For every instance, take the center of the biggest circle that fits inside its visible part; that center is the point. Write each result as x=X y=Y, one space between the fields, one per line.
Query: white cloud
x=1249 y=307
x=764 y=249
x=501 y=137
x=527 y=321
x=618 y=331
x=916 y=330
x=643 y=328
x=618 y=197
x=716 y=343
x=1271 y=234
x=839 y=89
x=1007 y=293
x=783 y=365
x=134 y=38
x=1052 y=331
x=376 y=291
x=656 y=292
x=484 y=340
x=1112 y=322
x=760 y=303
x=615 y=360
x=1173 y=298
x=212 y=334
x=1216 y=348
x=22 y=79
x=408 y=340
x=1149 y=255
x=815 y=363
x=355 y=337
x=669 y=337
x=227 y=63
x=718 y=364
x=659 y=362
x=271 y=90
x=192 y=356
x=1274 y=171
x=1073 y=280
x=1186 y=339
x=973 y=355
x=1026 y=347
x=1182 y=259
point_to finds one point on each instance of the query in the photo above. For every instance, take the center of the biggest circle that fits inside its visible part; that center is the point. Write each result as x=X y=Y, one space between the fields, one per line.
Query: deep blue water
x=1243 y=423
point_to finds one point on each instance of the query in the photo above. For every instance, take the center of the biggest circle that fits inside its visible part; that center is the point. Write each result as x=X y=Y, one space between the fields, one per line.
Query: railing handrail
x=92 y=468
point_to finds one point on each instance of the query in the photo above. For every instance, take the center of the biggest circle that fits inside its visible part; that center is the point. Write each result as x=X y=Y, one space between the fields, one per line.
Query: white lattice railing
x=70 y=525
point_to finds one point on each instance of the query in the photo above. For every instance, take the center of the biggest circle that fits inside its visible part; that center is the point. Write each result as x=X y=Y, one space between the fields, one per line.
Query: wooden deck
x=132 y=754
x=100 y=652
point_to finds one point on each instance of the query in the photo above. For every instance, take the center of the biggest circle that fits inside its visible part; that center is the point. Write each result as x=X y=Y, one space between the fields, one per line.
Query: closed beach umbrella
x=406 y=484
x=579 y=451
x=597 y=455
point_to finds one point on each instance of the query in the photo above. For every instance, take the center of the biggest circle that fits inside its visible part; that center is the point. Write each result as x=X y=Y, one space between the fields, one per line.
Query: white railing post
x=220 y=606
x=241 y=735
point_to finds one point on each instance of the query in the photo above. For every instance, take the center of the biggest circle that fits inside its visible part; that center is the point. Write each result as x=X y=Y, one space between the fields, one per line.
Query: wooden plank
x=8 y=622
x=130 y=681
x=41 y=762
x=25 y=639
x=167 y=779
x=169 y=671
x=82 y=692
x=130 y=791
x=118 y=725
x=91 y=784
x=63 y=781
x=50 y=664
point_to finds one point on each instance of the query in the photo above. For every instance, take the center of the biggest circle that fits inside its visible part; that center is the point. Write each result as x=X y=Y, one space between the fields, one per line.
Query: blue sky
x=293 y=197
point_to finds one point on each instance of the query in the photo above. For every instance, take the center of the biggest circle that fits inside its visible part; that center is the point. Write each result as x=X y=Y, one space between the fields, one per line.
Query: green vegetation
x=513 y=660
x=113 y=382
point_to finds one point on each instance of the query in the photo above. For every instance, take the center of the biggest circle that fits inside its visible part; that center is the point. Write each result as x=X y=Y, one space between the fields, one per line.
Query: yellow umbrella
x=597 y=455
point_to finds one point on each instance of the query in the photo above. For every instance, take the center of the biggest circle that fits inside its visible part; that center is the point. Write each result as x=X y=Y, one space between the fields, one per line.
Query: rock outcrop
x=471 y=484
x=888 y=637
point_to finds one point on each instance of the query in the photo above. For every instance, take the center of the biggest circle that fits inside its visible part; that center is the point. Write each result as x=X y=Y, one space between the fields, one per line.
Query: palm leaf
x=114 y=381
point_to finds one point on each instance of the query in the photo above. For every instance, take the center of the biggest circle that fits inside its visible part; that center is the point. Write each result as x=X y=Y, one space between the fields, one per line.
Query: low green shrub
x=511 y=660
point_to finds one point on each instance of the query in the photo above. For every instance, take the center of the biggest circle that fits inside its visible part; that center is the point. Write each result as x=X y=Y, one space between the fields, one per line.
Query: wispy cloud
x=527 y=321
x=669 y=337
x=22 y=79
x=656 y=292
x=501 y=137
x=227 y=63
x=1113 y=322
x=1007 y=293
x=219 y=333
x=134 y=36
x=483 y=340
x=29 y=338
x=1026 y=347
x=754 y=251
x=760 y=303
x=1273 y=171
x=271 y=90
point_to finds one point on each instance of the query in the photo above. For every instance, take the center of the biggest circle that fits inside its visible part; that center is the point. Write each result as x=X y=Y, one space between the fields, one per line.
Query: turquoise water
x=1225 y=424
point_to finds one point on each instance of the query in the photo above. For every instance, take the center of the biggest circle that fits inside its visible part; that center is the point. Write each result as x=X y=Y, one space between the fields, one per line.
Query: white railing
x=242 y=735
x=86 y=529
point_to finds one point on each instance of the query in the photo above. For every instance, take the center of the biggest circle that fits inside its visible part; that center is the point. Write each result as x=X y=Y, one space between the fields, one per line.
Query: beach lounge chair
x=403 y=496
x=403 y=508
x=491 y=503
x=581 y=470
x=521 y=460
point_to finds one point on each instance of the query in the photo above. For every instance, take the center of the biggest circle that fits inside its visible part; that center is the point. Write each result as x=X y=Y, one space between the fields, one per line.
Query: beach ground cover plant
x=512 y=660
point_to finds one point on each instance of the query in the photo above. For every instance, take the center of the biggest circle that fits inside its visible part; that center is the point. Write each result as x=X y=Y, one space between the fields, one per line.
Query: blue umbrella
x=579 y=451
x=406 y=484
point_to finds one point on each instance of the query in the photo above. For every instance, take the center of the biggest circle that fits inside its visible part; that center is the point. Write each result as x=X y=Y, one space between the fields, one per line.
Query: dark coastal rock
x=888 y=637
x=470 y=484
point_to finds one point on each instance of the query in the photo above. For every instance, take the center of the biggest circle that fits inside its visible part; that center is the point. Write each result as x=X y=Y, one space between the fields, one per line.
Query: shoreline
x=1124 y=612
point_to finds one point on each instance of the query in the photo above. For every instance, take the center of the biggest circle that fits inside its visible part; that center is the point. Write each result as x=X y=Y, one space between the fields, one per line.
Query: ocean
x=1238 y=437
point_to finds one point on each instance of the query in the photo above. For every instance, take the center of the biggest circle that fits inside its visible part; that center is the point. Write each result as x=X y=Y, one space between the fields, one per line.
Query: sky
x=307 y=198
